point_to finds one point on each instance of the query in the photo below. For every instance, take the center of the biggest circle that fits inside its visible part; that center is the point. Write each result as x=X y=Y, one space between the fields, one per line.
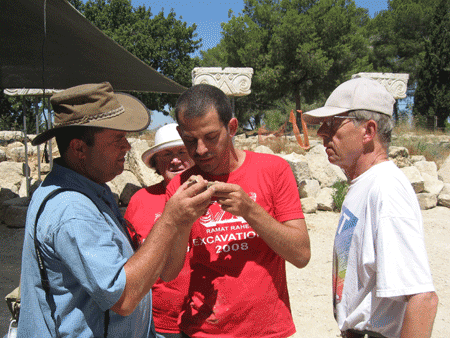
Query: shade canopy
x=71 y=52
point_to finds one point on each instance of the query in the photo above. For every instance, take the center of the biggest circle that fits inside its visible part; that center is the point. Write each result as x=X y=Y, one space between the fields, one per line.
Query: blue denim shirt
x=84 y=253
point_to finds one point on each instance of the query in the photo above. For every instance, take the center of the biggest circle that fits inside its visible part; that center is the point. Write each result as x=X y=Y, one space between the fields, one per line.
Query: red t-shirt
x=145 y=207
x=238 y=283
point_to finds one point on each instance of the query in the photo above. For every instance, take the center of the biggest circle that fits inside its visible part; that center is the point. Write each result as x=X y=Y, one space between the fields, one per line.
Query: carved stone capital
x=232 y=81
x=30 y=92
x=395 y=83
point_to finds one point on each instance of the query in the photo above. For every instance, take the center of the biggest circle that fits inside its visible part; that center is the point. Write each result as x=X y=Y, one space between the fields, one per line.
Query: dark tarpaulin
x=75 y=51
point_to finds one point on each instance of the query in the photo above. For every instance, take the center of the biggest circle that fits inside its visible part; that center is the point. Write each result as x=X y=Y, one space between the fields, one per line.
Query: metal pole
x=25 y=141
x=49 y=124
x=36 y=112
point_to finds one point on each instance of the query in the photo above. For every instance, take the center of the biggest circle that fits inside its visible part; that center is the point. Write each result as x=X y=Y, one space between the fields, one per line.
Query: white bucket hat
x=165 y=137
x=358 y=93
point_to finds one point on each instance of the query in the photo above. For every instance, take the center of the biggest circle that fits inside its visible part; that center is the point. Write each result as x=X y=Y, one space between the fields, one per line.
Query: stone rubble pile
x=314 y=174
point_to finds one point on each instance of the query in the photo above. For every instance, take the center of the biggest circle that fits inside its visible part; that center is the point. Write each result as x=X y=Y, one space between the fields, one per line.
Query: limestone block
x=7 y=137
x=444 y=171
x=395 y=152
x=309 y=205
x=263 y=150
x=417 y=158
x=317 y=148
x=14 y=212
x=240 y=137
x=299 y=166
x=127 y=185
x=133 y=162
x=444 y=200
x=323 y=171
x=427 y=200
x=432 y=184
x=34 y=184
x=413 y=175
x=395 y=83
x=444 y=196
x=232 y=81
x=325 y=199
x=309 y=188
x=11 y=174
x=401 y=162
x=427 y=167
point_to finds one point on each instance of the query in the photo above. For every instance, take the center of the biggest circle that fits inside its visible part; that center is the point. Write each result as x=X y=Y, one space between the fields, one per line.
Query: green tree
x=163 y=42
x=299 y=50
x=432 y=97
x=12 y=110
x=398 y=36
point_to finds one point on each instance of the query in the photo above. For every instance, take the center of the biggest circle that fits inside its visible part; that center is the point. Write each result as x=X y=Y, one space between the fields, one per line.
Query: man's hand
x=232 y=198
x=289 y=239
x=189 y=202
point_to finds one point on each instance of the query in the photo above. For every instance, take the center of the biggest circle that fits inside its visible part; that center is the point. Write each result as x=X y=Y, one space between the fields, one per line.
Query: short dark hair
x=67 y=134
x=198 y=100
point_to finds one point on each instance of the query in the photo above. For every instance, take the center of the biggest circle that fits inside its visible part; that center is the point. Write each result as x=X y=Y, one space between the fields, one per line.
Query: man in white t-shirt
x=382 y=284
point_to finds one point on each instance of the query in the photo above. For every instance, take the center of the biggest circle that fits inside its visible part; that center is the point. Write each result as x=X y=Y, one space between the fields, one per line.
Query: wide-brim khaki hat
x=96 y=105
x=355 y=94
x=165 y=137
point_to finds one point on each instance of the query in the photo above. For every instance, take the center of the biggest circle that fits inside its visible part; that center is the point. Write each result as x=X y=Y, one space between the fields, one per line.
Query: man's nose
x=176 y=159
x=323 y=131
x=201 y=148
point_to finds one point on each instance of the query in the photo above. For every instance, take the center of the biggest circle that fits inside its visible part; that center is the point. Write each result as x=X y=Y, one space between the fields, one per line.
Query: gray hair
x=384 y=122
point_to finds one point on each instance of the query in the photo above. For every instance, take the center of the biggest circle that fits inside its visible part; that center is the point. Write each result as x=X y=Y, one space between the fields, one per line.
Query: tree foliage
x=432 y=97
x=12 y=110
x=398 y=36
x=163 y=42
x=299 y=50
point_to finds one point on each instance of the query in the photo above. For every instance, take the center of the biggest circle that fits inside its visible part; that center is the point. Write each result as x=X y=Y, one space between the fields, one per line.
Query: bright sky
x=208 y=15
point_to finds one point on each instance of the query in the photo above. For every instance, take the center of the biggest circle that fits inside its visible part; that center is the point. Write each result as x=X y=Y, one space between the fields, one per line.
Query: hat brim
x=135 y=118
x=317 y=116
x=147 y=156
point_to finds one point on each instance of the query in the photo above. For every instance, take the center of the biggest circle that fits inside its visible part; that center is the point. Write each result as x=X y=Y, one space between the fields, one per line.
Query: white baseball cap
x=165 y=137
x=355 y=94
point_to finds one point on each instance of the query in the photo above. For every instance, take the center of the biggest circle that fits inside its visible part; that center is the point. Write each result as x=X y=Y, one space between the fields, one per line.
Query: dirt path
x=310 y=288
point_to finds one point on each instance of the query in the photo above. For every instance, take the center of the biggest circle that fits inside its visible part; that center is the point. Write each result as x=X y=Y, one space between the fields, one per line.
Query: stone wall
x=314 y=174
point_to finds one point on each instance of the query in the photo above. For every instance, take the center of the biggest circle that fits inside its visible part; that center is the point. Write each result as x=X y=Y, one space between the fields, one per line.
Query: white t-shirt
x=379 y=253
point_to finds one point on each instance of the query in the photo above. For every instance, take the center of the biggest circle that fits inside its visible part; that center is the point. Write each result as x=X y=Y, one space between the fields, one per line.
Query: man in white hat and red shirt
x=81 y=274
x=382 y=284
x=168 y=157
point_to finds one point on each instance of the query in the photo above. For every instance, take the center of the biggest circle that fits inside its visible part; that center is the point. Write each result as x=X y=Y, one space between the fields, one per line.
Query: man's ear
x=78 y=148
x=370 y=131
x=233 y=126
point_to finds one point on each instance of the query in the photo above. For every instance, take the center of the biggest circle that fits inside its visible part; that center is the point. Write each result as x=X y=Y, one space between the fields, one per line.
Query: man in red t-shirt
x=239 y=246
x=168 y=157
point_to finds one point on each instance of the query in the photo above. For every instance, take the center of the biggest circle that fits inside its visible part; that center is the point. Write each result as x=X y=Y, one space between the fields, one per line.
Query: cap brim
x=147 y=156
x=316 y=116
x=135 y=118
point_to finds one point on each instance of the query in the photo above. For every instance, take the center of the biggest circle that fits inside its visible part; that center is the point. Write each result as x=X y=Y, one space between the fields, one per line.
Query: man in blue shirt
x=98 y=282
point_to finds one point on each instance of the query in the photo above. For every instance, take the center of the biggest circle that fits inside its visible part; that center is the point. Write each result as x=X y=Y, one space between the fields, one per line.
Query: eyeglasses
x=335 y=122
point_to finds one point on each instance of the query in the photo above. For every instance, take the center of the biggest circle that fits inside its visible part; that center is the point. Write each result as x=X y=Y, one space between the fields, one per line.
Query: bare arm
x=290 y=239
x=419 y=316
x=156 y=255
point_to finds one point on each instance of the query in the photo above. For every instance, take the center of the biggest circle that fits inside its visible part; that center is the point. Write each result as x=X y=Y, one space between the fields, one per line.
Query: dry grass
x=435 y=146
x=283 y=145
